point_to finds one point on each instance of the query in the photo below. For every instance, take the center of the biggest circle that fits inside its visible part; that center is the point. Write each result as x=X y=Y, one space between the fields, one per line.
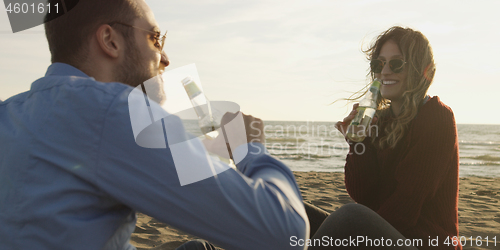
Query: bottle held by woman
x=359 y=127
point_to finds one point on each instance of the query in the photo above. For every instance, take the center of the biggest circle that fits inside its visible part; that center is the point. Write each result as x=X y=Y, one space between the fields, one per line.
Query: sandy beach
x=479 y=210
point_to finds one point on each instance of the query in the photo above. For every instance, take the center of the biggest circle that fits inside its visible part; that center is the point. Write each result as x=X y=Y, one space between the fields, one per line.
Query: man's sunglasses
x=396 y=65
x=160 y=40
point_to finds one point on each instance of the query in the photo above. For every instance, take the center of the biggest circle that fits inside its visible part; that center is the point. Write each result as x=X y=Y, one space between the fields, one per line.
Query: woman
x=408 y=172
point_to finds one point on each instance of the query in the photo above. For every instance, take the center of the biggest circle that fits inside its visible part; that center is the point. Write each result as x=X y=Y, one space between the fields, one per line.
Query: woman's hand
x=344 y=124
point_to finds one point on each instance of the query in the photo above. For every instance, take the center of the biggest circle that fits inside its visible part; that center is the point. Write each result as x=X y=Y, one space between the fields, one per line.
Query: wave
x=306 y=157
x=304 y=149
x=480 y=143
x=488 y=158
x=284 y=139
x=483 y=163
x=302 y=130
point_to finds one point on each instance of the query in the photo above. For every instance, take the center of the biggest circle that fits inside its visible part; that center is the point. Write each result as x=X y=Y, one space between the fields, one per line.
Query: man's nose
x=164 y=60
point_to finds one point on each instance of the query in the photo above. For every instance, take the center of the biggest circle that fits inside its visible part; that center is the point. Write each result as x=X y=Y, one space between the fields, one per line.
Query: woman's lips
x=389 y=82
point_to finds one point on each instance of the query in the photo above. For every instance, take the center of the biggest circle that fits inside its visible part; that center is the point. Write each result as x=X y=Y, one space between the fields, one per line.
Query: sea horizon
x=319 y=146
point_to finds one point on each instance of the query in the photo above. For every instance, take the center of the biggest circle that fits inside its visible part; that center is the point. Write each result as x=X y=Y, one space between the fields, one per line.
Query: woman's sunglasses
x=396 y=65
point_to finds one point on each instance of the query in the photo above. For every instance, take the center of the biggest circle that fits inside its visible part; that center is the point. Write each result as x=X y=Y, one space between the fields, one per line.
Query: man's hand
x=254 y=128
x=236 y=129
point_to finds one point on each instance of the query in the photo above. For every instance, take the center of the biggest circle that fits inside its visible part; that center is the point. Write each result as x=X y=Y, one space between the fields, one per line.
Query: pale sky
x=287 y=60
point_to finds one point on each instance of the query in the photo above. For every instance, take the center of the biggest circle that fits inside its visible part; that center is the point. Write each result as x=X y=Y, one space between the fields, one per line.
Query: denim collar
x=58 y=69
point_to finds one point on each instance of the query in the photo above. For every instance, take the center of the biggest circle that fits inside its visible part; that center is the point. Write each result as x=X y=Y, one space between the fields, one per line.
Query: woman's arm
x=362 y=172
x=361 y=168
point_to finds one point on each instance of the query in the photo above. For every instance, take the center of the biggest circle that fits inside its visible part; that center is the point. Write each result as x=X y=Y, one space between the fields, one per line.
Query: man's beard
x=134 y=73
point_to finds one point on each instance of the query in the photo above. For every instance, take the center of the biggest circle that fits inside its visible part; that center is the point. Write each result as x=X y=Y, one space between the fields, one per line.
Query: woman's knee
x=354 y=210
x=196 y=245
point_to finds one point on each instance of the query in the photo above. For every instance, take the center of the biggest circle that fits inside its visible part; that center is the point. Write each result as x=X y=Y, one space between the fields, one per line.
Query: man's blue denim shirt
x=72 y=177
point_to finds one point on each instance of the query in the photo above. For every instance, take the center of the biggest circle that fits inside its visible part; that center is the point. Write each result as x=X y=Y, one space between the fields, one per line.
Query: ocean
x=318 y=146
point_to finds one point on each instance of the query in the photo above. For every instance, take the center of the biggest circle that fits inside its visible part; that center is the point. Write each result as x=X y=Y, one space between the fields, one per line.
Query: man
x=72 y=175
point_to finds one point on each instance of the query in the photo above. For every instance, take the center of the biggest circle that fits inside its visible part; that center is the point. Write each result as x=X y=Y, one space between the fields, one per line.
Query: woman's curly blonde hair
x=420 y=69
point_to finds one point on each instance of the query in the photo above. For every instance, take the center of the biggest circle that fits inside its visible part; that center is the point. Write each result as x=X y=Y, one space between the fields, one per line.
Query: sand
x=479 y=210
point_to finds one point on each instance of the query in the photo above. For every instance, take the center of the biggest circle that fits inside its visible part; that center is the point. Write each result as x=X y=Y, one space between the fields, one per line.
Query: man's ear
x=110 y=41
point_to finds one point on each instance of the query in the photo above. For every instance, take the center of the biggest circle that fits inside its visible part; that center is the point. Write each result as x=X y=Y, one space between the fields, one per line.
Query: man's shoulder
x=66 y=81
x=77 y=90
x=73 y=99
x=86 y=85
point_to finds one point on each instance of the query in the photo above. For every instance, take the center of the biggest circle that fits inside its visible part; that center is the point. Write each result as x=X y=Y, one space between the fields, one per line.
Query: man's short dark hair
x=69 y=34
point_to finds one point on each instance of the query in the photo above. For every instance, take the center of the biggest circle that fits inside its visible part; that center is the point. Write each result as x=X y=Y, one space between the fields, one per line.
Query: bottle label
x=375 y=87
x=192 y=89
x=359 y=116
